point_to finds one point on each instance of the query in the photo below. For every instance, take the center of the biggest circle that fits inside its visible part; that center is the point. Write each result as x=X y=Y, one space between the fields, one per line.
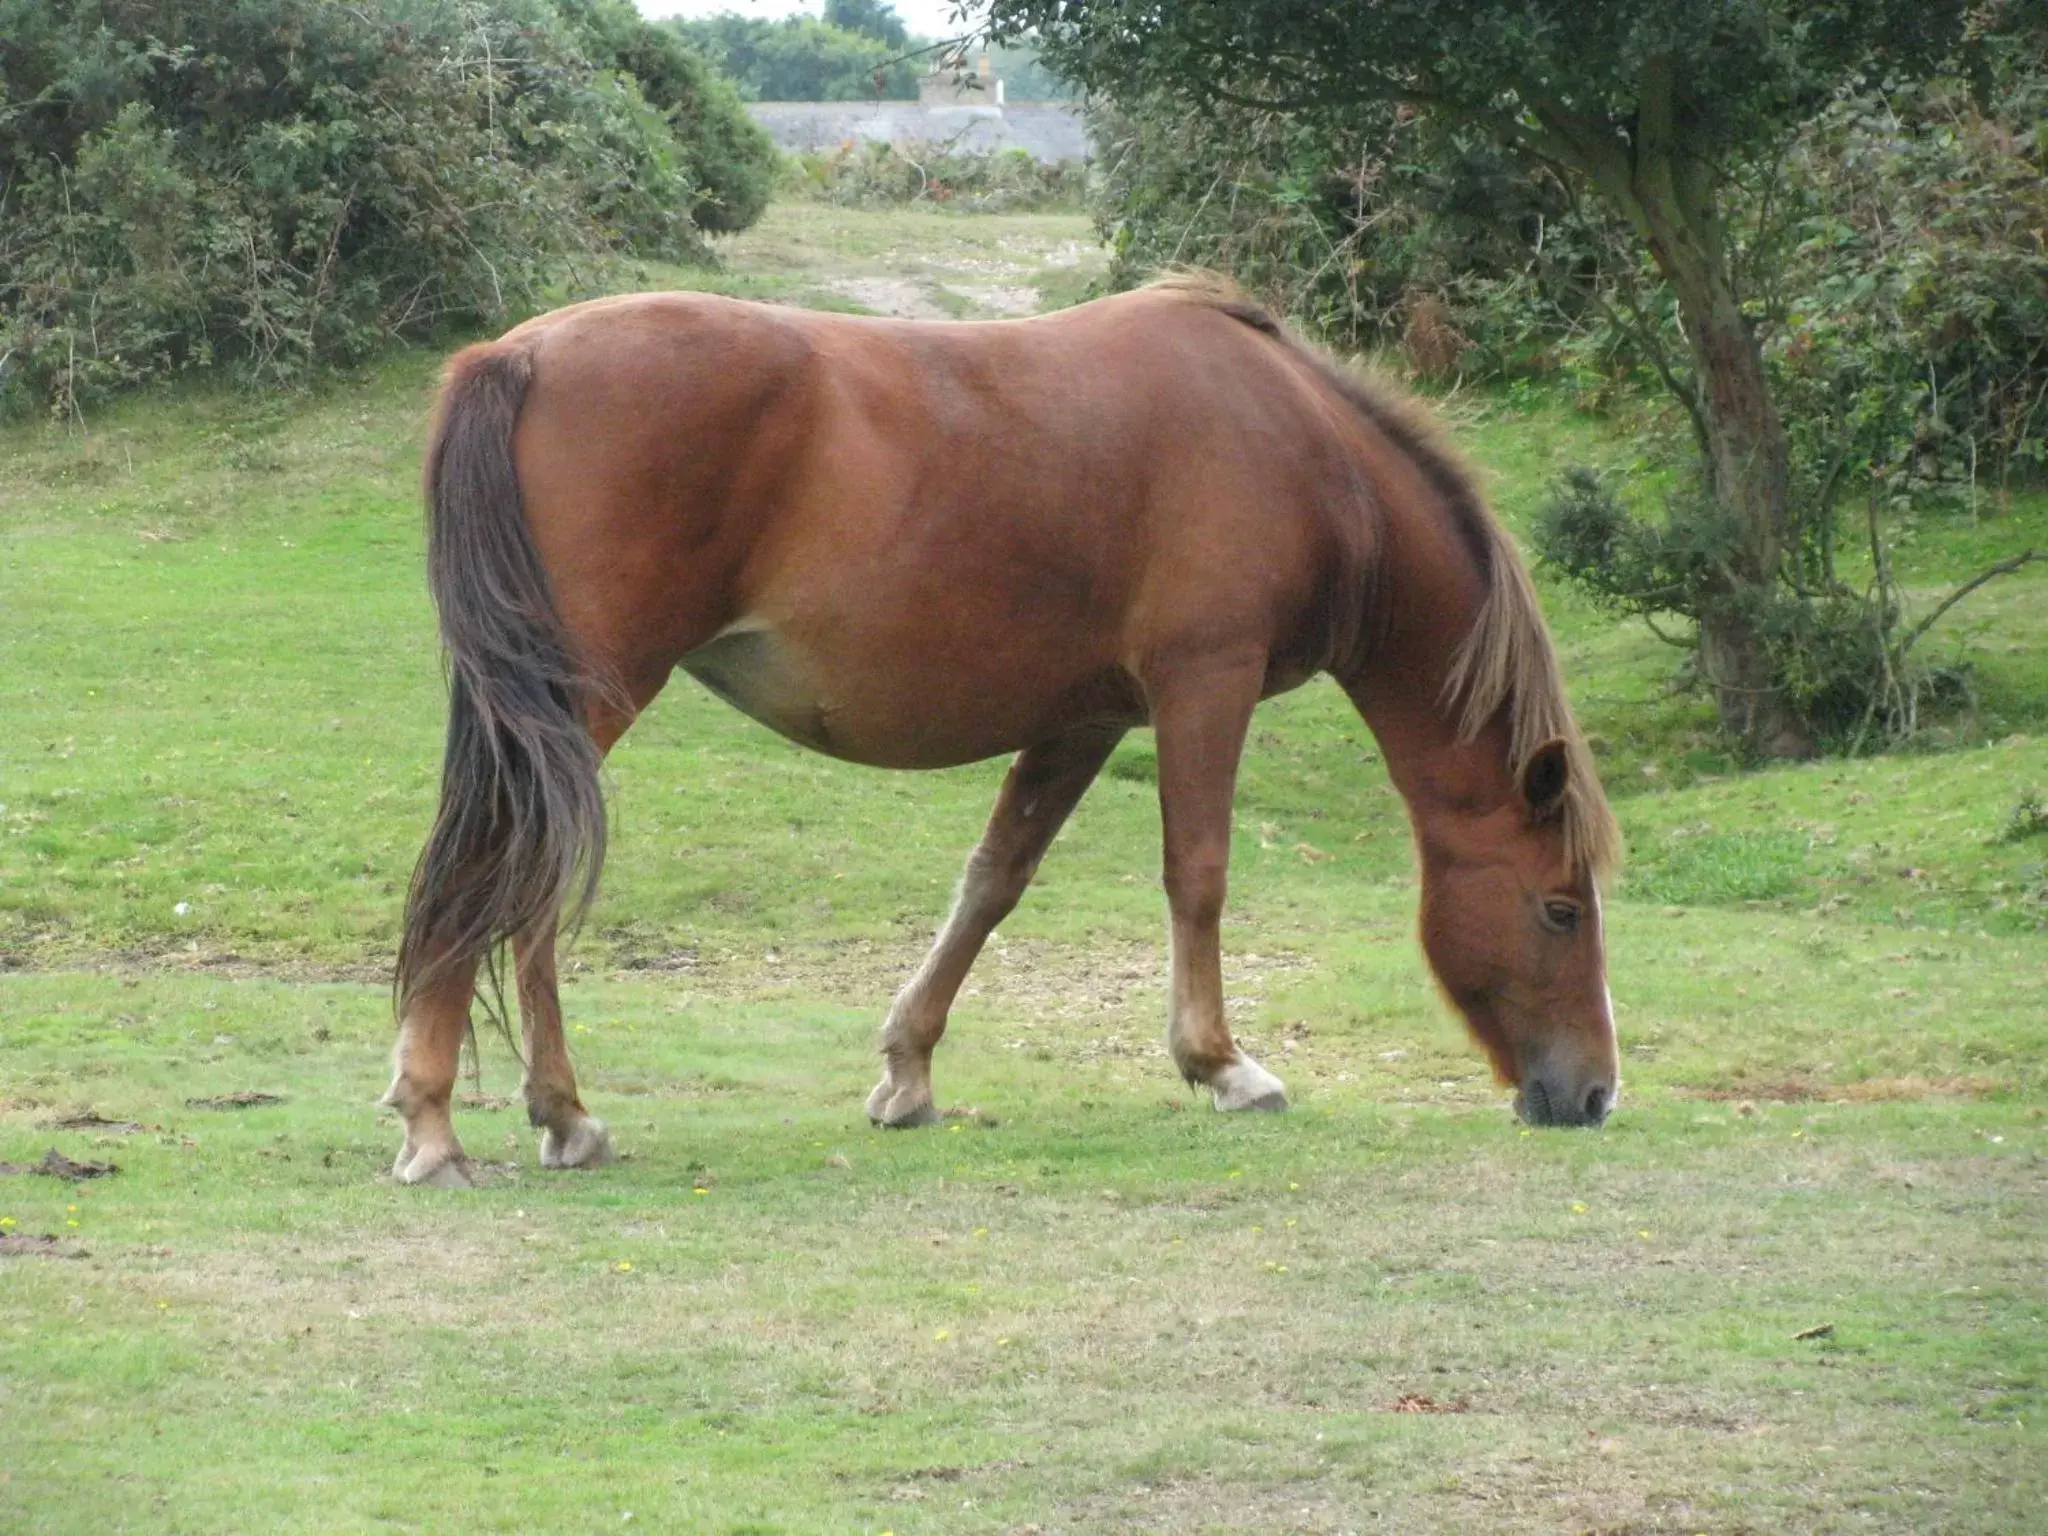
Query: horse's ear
x=1544 y=778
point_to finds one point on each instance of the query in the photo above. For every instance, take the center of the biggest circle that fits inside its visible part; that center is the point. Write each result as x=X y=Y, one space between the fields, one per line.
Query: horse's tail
x=520 y=834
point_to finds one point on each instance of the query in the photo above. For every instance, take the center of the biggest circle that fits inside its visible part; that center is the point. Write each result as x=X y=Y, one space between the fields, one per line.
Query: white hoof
x=900 y=1109
x=1244 y=1084
x=435 y=1167
x=588 y=1145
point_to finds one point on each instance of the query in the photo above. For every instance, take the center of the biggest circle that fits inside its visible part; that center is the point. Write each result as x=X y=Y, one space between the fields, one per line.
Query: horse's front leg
x=570 y=1137
x=1044 y=785
x=1200 y=718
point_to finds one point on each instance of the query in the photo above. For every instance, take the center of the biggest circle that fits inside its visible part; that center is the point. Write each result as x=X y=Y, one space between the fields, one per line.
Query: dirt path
x=922 y=264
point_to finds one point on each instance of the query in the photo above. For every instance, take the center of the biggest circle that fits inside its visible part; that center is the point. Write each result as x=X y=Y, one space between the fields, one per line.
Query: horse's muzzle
x=1543 y=1101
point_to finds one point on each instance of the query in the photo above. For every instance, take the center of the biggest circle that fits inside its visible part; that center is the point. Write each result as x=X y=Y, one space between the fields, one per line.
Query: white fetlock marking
x=1244 y=1084
x=588 y=1145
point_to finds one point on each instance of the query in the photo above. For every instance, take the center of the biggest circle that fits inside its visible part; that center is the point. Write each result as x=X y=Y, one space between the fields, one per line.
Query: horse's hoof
x=879 y=1100
x=436 y=1168
x=901 y=1107
x=897 y=1109
x=1244 y=1084
x=588 y=1145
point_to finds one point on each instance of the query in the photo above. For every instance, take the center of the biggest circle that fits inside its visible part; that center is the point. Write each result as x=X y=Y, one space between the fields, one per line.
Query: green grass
x=1095 y=1305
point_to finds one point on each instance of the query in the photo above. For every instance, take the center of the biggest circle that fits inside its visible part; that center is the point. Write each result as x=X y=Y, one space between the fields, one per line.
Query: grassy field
x=1085 y=1304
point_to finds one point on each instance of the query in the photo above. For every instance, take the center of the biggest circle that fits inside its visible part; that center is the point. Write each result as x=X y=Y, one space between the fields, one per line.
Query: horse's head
x=1513 y=930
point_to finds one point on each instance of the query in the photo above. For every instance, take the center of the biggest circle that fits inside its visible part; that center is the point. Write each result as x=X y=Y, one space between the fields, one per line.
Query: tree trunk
x=1747 y=475
x=1670 y=196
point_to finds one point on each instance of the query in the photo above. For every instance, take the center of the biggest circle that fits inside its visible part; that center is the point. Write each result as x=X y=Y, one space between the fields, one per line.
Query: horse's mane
x=1506 y=663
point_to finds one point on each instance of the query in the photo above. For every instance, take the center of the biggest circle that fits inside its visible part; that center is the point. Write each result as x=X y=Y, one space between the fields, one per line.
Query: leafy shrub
x=1843 y=658
x=1911 y=308
x=277 y=184
x=2029 y=818
x=871 y=174
x=1371 y=228
x=731 y=161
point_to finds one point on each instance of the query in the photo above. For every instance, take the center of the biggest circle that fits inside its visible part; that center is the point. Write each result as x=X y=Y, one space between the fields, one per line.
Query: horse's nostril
x=1596 y=1104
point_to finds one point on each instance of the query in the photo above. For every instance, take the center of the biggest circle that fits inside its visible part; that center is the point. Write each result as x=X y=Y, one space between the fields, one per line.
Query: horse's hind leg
x=1044 y=785
x=423 y=1084
x=570 y=1137
x=1200 y=720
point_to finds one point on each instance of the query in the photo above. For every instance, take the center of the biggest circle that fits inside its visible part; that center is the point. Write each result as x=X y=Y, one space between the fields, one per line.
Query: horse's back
x=913 y=543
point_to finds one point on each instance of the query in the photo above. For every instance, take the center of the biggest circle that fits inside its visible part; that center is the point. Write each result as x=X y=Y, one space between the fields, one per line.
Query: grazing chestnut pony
x=915 y=545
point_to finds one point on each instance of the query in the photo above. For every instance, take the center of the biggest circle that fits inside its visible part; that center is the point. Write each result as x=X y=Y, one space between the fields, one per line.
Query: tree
x=1658 y=108
x=800 y=59
x=870 y=18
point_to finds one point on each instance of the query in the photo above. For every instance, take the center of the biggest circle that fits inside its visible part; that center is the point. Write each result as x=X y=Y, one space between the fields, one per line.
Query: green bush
x=1911 y=313
x=278 y=184
x=730 y=159
x=875 y=175
x=1369 y=227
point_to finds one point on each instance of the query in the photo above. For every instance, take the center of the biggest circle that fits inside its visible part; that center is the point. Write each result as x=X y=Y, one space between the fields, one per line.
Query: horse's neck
x=1432 y=590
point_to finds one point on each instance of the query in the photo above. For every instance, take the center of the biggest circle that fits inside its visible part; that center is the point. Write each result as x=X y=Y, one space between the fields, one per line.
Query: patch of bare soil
x=1417 y=1402
x=1074 y=1002
x=93 y=1120
x=246 y=1099
x=194 y=961
x=1115 y=992
x=1207 y=1504
x=55 y=1165
x=896 y=296
x=413 y=1272
x=37 y=1245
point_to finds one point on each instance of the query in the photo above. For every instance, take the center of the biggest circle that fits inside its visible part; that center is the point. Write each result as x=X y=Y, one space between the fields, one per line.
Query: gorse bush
x=731 y=162
x=278 y=184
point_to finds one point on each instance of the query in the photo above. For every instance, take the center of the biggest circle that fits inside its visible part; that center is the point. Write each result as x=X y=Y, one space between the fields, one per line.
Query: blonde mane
x=1506 y=664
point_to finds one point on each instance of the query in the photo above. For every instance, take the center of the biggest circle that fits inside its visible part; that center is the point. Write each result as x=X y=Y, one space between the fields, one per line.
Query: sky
x=925 y=18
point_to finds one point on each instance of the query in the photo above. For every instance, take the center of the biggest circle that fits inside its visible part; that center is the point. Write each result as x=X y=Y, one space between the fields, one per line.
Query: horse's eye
x=1561 y=916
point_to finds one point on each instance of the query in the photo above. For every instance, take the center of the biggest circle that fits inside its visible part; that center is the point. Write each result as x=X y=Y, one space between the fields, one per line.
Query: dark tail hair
x=521 y=831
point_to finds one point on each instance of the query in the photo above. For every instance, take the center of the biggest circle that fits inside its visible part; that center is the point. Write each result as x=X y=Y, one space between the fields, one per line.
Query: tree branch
x=2003 y=568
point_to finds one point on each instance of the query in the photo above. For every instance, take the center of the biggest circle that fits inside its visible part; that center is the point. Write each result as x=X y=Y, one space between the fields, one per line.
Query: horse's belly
x=752 y=670
x=924 y=711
